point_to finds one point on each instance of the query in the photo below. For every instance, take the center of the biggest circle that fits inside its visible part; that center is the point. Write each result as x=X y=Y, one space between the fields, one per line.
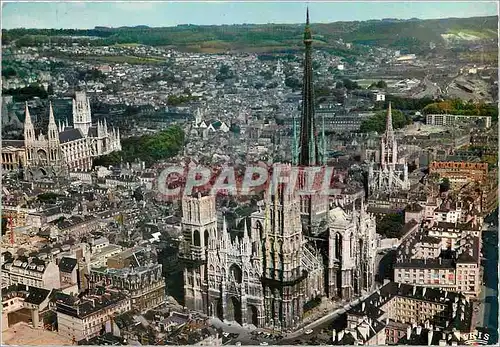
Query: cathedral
x=268 y=272
x=390 y=175
x=65 y=148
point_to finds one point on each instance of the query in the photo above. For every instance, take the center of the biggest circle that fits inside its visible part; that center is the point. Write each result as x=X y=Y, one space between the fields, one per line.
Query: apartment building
x=385 y=316
x=84 y=318
x=145 y=284
x=442 y=255
x=31 y=272
x=456 y=120
x=21 y=297
x=460 y=171
x=100 y=257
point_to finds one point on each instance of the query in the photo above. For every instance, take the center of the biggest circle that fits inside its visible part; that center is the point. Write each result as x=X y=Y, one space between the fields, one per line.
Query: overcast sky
x=157 y=14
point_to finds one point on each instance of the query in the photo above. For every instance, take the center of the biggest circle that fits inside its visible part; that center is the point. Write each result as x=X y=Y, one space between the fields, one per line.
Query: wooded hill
x=414 y=35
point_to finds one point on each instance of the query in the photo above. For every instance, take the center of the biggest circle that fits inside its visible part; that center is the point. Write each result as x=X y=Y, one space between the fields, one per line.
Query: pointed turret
x=224 y=225
x=27 y=120
x=29 y=130
x=52 y=120
x=245 y=230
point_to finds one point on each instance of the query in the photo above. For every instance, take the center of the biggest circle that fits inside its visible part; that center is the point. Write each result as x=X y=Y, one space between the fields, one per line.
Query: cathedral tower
x=81 y=113
x=54 y=150
x=282 y=246
x=199 y=225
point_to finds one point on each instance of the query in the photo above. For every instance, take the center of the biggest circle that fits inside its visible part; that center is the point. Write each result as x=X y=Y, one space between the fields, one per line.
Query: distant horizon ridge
x=146 y=26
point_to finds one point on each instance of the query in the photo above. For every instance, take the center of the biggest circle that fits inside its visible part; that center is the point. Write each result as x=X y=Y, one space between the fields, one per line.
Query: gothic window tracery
x=196 y=238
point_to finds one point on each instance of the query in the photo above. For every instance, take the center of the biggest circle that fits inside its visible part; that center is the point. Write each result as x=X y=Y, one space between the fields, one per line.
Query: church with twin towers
x=63 y=148
x=292 y=250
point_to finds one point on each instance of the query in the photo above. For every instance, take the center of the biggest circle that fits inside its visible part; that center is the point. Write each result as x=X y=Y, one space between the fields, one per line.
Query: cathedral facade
x=269 y=271
x=65 y=147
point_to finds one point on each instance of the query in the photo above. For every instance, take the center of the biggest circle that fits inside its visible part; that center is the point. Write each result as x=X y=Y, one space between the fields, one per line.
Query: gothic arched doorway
x=252 y=315
x=217 y=310
x=234 y=310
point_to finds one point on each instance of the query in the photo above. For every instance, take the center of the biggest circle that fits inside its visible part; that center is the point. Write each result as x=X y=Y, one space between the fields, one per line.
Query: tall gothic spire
x=29 y=129
x=388 y=125
x=27 y=120
x=52 y=120
x=295 y=145
x=309 y=153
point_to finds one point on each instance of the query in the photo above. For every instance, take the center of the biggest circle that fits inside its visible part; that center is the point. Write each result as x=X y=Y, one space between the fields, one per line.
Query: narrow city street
x=488 y=309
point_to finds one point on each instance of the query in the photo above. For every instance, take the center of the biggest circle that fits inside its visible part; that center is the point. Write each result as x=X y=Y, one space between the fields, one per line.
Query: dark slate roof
x=69 y=135
x=106 y=339
x=13 y=143
x=37 y=295
x=371 y=307
x=421 y=336
x=414 y=207
x=92 y=131
x=67 y=264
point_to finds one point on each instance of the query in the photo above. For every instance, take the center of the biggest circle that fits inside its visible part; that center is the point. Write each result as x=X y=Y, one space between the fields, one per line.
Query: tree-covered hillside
x=413 y=35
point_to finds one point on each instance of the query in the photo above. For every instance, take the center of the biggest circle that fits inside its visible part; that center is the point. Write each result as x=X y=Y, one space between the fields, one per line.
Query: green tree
x=147 y=148
x=350 y=85
x=391 y=225
x=380 y=84
x=377 y=122
x=293 y=82
x=444 y=186
x=9 y=72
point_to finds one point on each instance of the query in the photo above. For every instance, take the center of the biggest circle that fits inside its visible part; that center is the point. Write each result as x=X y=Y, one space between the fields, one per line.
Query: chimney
x=423 y=291
x=429 y=337
x=414 y=290
x=408 y=332
x=334 y=335
x=363 y=307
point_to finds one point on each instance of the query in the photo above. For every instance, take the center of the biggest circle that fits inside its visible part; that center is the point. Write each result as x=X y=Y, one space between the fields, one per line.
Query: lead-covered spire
x=309 y=153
